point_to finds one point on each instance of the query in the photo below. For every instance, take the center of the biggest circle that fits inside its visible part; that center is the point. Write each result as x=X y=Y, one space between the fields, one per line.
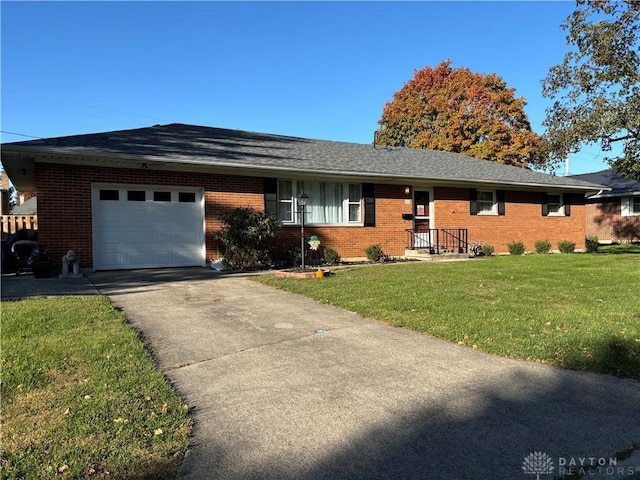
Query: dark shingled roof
x=206 y=146
x=618 y=183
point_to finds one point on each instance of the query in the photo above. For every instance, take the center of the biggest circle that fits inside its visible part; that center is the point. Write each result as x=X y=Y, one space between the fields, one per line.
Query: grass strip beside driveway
x=81 y=397
x=578 y=311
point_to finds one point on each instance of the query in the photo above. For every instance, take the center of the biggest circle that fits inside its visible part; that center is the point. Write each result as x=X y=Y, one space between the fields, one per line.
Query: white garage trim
x=147 y=226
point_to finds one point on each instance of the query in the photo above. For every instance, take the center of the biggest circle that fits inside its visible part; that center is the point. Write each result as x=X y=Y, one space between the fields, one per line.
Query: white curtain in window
x=325 y=202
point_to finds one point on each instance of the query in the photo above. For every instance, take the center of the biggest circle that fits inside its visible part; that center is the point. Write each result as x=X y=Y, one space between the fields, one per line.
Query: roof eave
x=18 y=158
x=613 y=195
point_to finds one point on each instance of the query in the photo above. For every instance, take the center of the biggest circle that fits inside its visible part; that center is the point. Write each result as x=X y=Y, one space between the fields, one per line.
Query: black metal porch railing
x=436 y=241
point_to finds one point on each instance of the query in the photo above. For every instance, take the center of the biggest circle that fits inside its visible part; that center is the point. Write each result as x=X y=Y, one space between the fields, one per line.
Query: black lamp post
x=302 y=202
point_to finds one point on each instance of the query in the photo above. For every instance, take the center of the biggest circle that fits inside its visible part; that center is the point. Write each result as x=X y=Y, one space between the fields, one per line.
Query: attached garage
x=144 y=226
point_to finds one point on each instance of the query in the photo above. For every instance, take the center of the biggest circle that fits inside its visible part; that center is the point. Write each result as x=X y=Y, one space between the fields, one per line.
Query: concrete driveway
x=283 y=387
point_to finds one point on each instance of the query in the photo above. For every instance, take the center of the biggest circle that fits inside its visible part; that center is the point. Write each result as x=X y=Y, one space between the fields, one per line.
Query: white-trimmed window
x=486 y=202
x=630 y=206
x=329 y=203
x=556 y=205
x=285 y=201
x=354 y=202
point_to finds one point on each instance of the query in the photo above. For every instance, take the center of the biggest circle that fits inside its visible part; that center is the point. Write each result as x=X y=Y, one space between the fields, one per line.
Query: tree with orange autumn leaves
x=457 y=110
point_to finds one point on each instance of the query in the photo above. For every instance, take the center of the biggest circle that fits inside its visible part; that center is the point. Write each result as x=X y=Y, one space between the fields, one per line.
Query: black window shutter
x=545 y=206
x=271 y=195
x=473 y=201
x=567 y=204
x=369 y=205
x=500 y=200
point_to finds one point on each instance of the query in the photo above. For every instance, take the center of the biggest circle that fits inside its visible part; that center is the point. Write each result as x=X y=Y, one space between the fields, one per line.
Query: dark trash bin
x=11 y=263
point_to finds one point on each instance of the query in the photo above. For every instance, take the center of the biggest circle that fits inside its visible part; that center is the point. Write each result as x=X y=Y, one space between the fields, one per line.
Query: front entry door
x=421 y=217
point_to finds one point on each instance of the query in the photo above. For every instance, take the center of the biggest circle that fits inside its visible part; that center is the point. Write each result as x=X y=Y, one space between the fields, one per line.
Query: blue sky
x=311 y=69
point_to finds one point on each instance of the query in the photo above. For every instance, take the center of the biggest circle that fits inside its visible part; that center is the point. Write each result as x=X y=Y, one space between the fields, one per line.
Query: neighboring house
x=613 y=215
x=29 y=207
x=5 y=197
x=22 y=215
x=152 y=197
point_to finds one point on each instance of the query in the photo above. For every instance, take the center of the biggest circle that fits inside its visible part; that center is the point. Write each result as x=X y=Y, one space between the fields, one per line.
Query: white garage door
x=137 y=226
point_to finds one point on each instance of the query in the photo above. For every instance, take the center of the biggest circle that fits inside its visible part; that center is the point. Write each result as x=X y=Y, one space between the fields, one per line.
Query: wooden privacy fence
x=13 y=223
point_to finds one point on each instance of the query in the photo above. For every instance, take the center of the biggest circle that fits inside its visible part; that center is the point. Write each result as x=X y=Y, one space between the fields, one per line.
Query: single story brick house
x=152 y=197
x=613 y=215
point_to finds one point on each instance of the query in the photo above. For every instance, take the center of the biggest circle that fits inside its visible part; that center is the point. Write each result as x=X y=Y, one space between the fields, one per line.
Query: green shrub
x=331 y=256
x=245 y=234
x=592 y=244
x=516 y=248
x=488 y=250
x=375 y=253
x=565 y=246
x=293 y=257
x=543 y=246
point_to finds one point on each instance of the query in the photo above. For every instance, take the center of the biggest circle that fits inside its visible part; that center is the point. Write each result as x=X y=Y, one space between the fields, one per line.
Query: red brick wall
x=350 y=242
x=604 y=220
x=64 y=212
x=64 y=209
x=64 y=201
x=523 y=220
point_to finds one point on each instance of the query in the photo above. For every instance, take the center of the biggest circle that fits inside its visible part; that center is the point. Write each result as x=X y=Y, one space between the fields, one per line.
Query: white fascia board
x=612 y=195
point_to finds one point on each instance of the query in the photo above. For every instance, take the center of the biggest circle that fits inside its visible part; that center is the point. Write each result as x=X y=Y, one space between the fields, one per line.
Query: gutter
x=154 y=163
x=600 y=194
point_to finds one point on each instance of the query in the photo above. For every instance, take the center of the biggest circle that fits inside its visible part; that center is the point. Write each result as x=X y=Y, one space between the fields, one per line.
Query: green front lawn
x=619 y=248
x=81 y=397
x=580 y=311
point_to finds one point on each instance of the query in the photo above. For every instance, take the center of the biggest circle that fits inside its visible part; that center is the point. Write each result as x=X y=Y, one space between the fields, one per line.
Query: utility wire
x=8 y=90
x=21 y=134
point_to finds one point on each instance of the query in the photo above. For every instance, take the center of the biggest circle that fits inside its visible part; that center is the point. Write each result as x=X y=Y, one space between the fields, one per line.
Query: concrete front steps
x=425 y=255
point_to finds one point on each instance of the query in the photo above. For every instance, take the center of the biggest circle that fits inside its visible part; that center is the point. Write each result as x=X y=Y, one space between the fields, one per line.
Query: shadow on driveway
x=477 y=426
x=125 y=281
x=26 y=285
